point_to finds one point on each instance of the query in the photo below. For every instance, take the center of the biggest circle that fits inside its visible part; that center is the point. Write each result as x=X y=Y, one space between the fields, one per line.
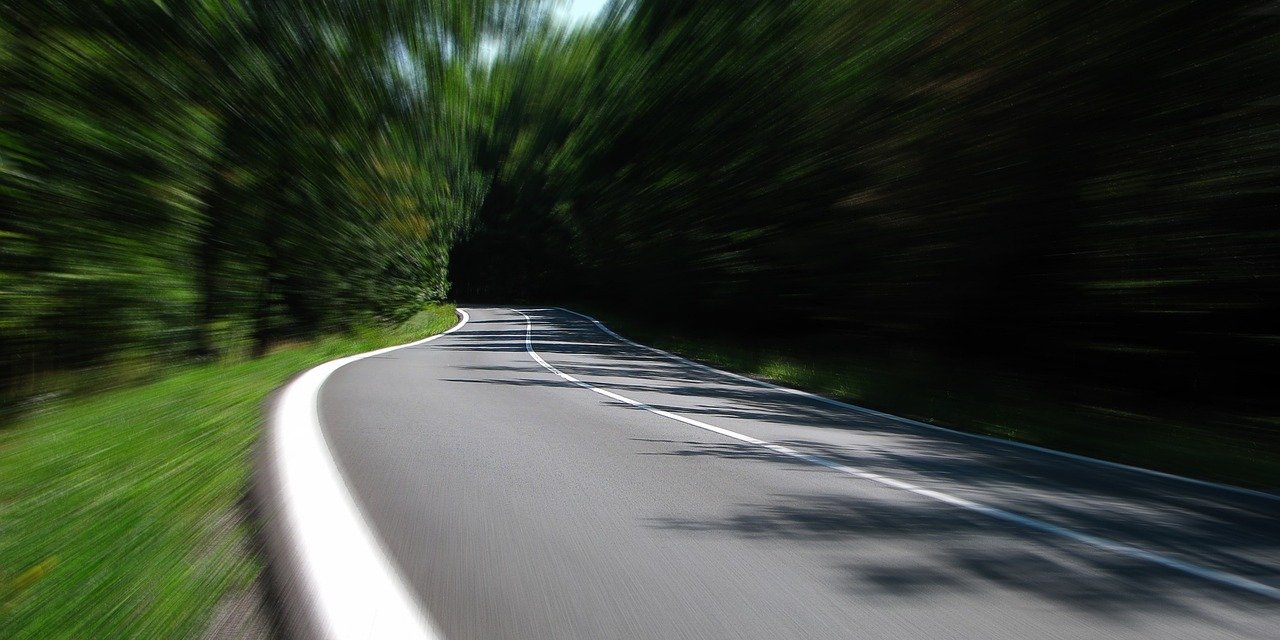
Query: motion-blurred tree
x=1085 y=189
x=191 y=176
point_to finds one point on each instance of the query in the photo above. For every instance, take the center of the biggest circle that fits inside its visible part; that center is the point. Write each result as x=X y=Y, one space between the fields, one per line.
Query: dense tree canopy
x=1087 y=189
x=186 y=177
x=1083 y=188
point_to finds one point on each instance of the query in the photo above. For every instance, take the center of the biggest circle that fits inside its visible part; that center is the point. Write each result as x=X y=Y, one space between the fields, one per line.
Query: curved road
x=610 y=491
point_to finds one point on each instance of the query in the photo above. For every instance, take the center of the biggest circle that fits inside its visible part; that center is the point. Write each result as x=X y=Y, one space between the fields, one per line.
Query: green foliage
x=120 y=514
x=186 y=177
x=1084 y=192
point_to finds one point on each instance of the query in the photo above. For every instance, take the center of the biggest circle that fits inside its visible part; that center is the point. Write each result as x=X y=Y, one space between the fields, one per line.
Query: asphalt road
x=520 y=504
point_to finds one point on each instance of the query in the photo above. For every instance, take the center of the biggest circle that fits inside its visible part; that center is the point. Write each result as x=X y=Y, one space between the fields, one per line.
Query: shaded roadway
x=520 y=505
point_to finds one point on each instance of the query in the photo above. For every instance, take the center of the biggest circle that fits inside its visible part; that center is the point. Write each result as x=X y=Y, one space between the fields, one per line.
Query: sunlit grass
x=120 y=513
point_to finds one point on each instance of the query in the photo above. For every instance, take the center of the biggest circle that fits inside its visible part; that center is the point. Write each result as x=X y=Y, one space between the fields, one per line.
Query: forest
x=1082 y=193
x=183 y=179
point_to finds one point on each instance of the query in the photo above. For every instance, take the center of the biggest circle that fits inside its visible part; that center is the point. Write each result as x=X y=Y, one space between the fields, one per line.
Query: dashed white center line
x=1220 y=577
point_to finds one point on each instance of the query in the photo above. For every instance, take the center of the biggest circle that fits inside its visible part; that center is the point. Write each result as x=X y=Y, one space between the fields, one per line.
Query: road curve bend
x=531 y=475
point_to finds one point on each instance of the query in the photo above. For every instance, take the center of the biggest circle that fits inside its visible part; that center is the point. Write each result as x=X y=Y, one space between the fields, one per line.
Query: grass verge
x=997 y=403
x=119 y=512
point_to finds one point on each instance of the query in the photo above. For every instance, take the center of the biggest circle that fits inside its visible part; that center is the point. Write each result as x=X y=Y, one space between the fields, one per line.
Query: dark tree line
x=1085 y=189
x=200 y=177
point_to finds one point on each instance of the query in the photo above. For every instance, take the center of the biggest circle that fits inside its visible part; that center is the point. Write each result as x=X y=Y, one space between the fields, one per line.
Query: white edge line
x=924 y=425
x=356 y=591
x=1118 y=548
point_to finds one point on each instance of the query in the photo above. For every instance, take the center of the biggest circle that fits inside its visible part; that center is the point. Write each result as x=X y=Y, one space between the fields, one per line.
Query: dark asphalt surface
x=520 y=505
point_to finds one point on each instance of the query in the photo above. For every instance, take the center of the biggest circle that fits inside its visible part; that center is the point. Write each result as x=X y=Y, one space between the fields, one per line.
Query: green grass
x=119 y=512
x=1200 y=443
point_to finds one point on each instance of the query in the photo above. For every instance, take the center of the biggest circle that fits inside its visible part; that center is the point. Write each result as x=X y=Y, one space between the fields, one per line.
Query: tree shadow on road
x=876 y=543
x=887 y=547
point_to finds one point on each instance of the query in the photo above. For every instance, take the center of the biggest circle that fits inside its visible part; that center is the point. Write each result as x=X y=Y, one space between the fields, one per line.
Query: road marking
x=356 y=590
x=923 y=425
x=1119 y=548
